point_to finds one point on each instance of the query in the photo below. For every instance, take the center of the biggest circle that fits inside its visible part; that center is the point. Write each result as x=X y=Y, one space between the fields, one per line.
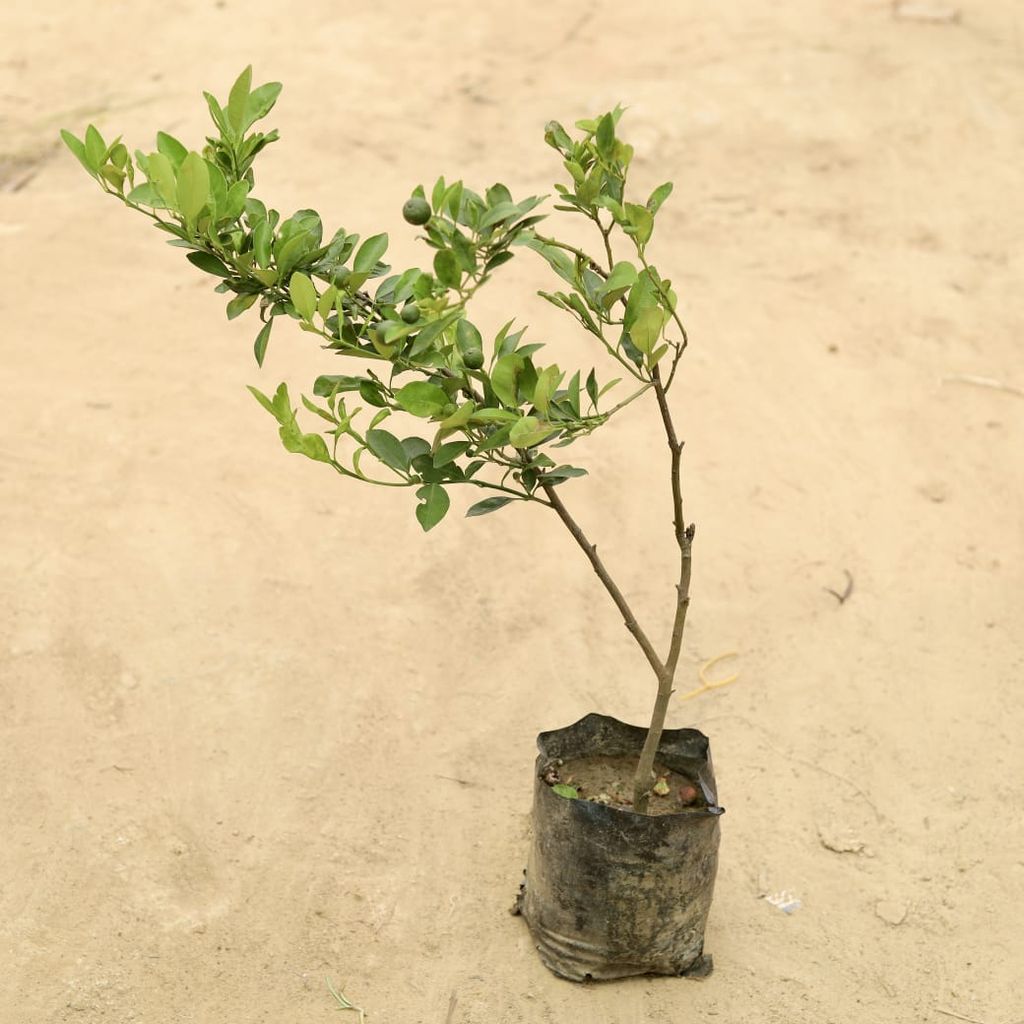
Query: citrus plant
x=430 y=405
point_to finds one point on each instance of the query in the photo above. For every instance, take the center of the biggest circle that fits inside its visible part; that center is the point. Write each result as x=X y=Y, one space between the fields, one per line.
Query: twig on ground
x=958 y=1016
x=704 y=684
x=452 y=1004
x=842 y=778
x=461 y=782
x=982 y=382
x=809 y=764
x=343 y=1003
x=847 y=590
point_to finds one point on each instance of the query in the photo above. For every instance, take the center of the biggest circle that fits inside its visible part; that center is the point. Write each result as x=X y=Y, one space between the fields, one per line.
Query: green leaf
x=620 y=280
x=618 y=214
x=95 y=148
x=504 y=377
x=574 y=394
x=482 y=508
x=261 y=239
x=289 y=250
x=234 y=202
x=260 y=347
x=647 y=328
x=218 y=199
x=193 y=187
x=429 y=334
x=208 y=263
x=433 y=507
x=161 y=174
x=658 y=196
x=606 y=136
x=437 y=195
x=240 y=303
x=547 y=383
x=114 y=176
x=369 y=391
x=468 y=337
x=498 y=439
x=369 y=253
x=592 y=387
x=558 y=259
x=282 y=404
x=569 y=792
x=498 y=259
x=557 y=137
x=303 y=295
x=261 y=101
x=657 y=355
x=449 y=452
x=238 y=100
x=459 y=418
x=422 y=399
x=171 y=148
x=263 y=400
x=591 y=187
x=146 y=195
x=529 y=431
x=216 y=113
x=493 y=416
x=313 y=446
x=326 y=302
x=388 y=449
x=327 y=384
x=317 y=411
x=446 y=268
x=563 y=473
x=641 y=296
x=641 y=223
x=78 y=148
x=500 y=212
x=415 y=447
x=452 y=200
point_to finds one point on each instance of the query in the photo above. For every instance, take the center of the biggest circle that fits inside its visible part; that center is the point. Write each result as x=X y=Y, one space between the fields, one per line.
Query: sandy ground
x=220 y=667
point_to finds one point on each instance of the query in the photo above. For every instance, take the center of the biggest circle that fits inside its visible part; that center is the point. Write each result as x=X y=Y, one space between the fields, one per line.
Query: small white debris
x=784 y=900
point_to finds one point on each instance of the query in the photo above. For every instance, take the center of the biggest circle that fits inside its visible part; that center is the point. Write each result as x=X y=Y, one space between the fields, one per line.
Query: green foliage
x=489 y=420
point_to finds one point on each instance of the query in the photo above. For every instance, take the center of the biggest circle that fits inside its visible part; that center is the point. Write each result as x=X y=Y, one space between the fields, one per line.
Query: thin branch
x=632 y=398
x=684 y=540
x=609 y=584
x=591 y=262
x=672 y=310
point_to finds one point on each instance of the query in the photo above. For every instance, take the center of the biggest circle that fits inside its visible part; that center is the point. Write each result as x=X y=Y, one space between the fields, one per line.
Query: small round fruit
x=473 y=359
x=410 y=312
x=416 y=210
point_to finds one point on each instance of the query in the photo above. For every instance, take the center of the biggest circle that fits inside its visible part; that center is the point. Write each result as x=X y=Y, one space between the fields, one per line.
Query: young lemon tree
x=429 y=406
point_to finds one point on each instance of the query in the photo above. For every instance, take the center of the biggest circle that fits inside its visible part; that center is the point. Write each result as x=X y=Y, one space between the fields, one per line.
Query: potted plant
x=622 y=866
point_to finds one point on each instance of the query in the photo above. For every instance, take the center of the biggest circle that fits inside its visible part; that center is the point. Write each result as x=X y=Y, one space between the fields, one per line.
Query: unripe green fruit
x=473 y=359
x=449 y=410
x=416 y=210
x=410 y=312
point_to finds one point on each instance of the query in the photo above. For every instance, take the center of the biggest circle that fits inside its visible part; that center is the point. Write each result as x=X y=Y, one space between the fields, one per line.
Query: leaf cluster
x=434 y=405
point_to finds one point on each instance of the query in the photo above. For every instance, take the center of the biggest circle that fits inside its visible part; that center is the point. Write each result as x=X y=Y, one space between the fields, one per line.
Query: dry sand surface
x=222 y=669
